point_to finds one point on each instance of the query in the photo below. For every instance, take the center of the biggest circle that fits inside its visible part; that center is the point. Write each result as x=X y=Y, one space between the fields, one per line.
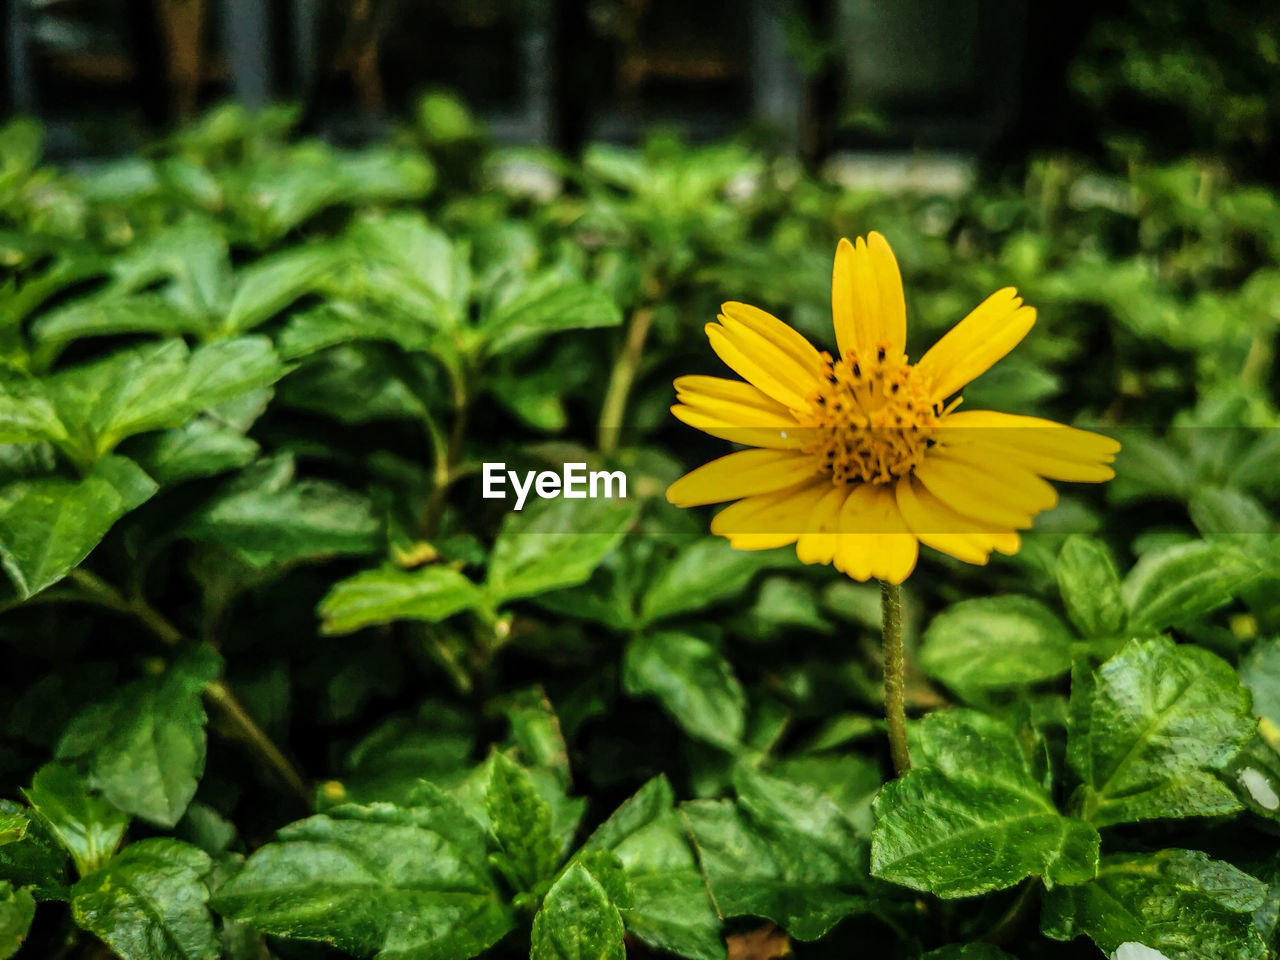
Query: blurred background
x=991 y=79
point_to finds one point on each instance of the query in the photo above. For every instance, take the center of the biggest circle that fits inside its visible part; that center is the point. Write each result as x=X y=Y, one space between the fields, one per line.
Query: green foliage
x=247 y=386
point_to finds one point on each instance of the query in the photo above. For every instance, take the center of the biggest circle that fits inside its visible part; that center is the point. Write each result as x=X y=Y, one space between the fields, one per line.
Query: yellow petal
x=969 y=348
x=874 y=540
x=937 y=525
x=761 y=364
x=990 y=450
x=788 y=341
x=817 y=544
x=1007 y=480
x=971 y=492
x=867 y=304
x=761 y=541
x=731 y=429
x=732 y=398
x=741 y=474
x=1032 y=434
x=783 y=512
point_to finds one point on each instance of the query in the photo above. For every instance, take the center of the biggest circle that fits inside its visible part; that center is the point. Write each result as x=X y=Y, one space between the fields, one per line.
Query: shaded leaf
x=88 y=827
x=145 y=745
x=1090 y=587
x=149 y=902
x=50 y=524
x=692 y=682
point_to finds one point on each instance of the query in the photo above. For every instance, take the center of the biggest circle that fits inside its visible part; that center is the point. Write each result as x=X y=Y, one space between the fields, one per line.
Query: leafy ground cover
x=280 y=682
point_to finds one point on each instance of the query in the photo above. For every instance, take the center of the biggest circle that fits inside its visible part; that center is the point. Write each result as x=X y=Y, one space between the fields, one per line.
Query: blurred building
x=813 y=75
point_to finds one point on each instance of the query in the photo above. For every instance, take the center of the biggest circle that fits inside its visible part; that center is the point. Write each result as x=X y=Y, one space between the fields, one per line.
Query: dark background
x=999 y=78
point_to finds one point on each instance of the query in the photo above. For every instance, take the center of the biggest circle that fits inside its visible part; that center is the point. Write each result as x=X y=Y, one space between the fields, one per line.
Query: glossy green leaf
x=1090 y=587
x=149 y=902
x=783 y=852
x=670 y=909
x=49 y=524
x=1179 y=902
x=521 y=824
x=1169 y=586
x=113 y=316
x=87 y=826
x=691 y=680
x=1151 y=730
x=145 y=744
x=970 y=817
x=1260 y=672
x=389 y=594
x=577 y=921
x=554 y=544
x=397 y=883
x=995 y=642
x=17 y=910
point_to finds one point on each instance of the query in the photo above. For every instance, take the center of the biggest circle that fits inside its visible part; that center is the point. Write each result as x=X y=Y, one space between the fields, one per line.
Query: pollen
x=871 y=417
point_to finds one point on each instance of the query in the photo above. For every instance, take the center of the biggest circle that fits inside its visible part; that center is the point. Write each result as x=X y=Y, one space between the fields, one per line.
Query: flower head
x=860 y=457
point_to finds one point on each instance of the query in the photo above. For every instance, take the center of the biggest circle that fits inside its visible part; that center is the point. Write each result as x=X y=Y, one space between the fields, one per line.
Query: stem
x=445 y=453
x=895 y=711
x=247 y=729
x=620 y=380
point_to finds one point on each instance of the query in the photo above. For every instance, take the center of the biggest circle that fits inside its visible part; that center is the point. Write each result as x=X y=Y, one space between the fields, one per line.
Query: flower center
x=871 y=418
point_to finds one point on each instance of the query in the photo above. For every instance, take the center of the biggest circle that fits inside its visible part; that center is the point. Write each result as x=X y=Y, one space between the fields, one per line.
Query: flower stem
x=624 y=374
x=895 y=711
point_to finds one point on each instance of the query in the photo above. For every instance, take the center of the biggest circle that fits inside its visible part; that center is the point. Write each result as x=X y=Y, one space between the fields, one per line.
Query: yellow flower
x=860 y=459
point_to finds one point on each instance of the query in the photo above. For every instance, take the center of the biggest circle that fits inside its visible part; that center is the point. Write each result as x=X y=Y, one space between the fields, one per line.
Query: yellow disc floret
x=871 y=417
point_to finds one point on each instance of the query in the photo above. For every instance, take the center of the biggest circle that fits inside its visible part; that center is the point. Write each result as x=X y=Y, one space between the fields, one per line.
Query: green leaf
x=29 y=856
x=1225 y=510
x=536 y=733
x=335 y=322
x=17 y=910
x=199 y=448
x=49 y=524
x=145 y=744
x=1179 y=902
x=1260 y=671
x=783 y=852
x=267 y=286
x=1090 y=587
x=703 y=574
x=670 y=909
x=150 y=901
x=157 y=385
x=971 y=817
x=112 y=315
x=555 y=544
x=268 y=518
x=692 y=682
x=27 y=415
x=995 y=642
x=577 y=921
x=521 y=824
x=88 y=827
x=1170 y=586
x=1147 y=736
x=399 y=883
x=389 y=594
x=549 y=304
